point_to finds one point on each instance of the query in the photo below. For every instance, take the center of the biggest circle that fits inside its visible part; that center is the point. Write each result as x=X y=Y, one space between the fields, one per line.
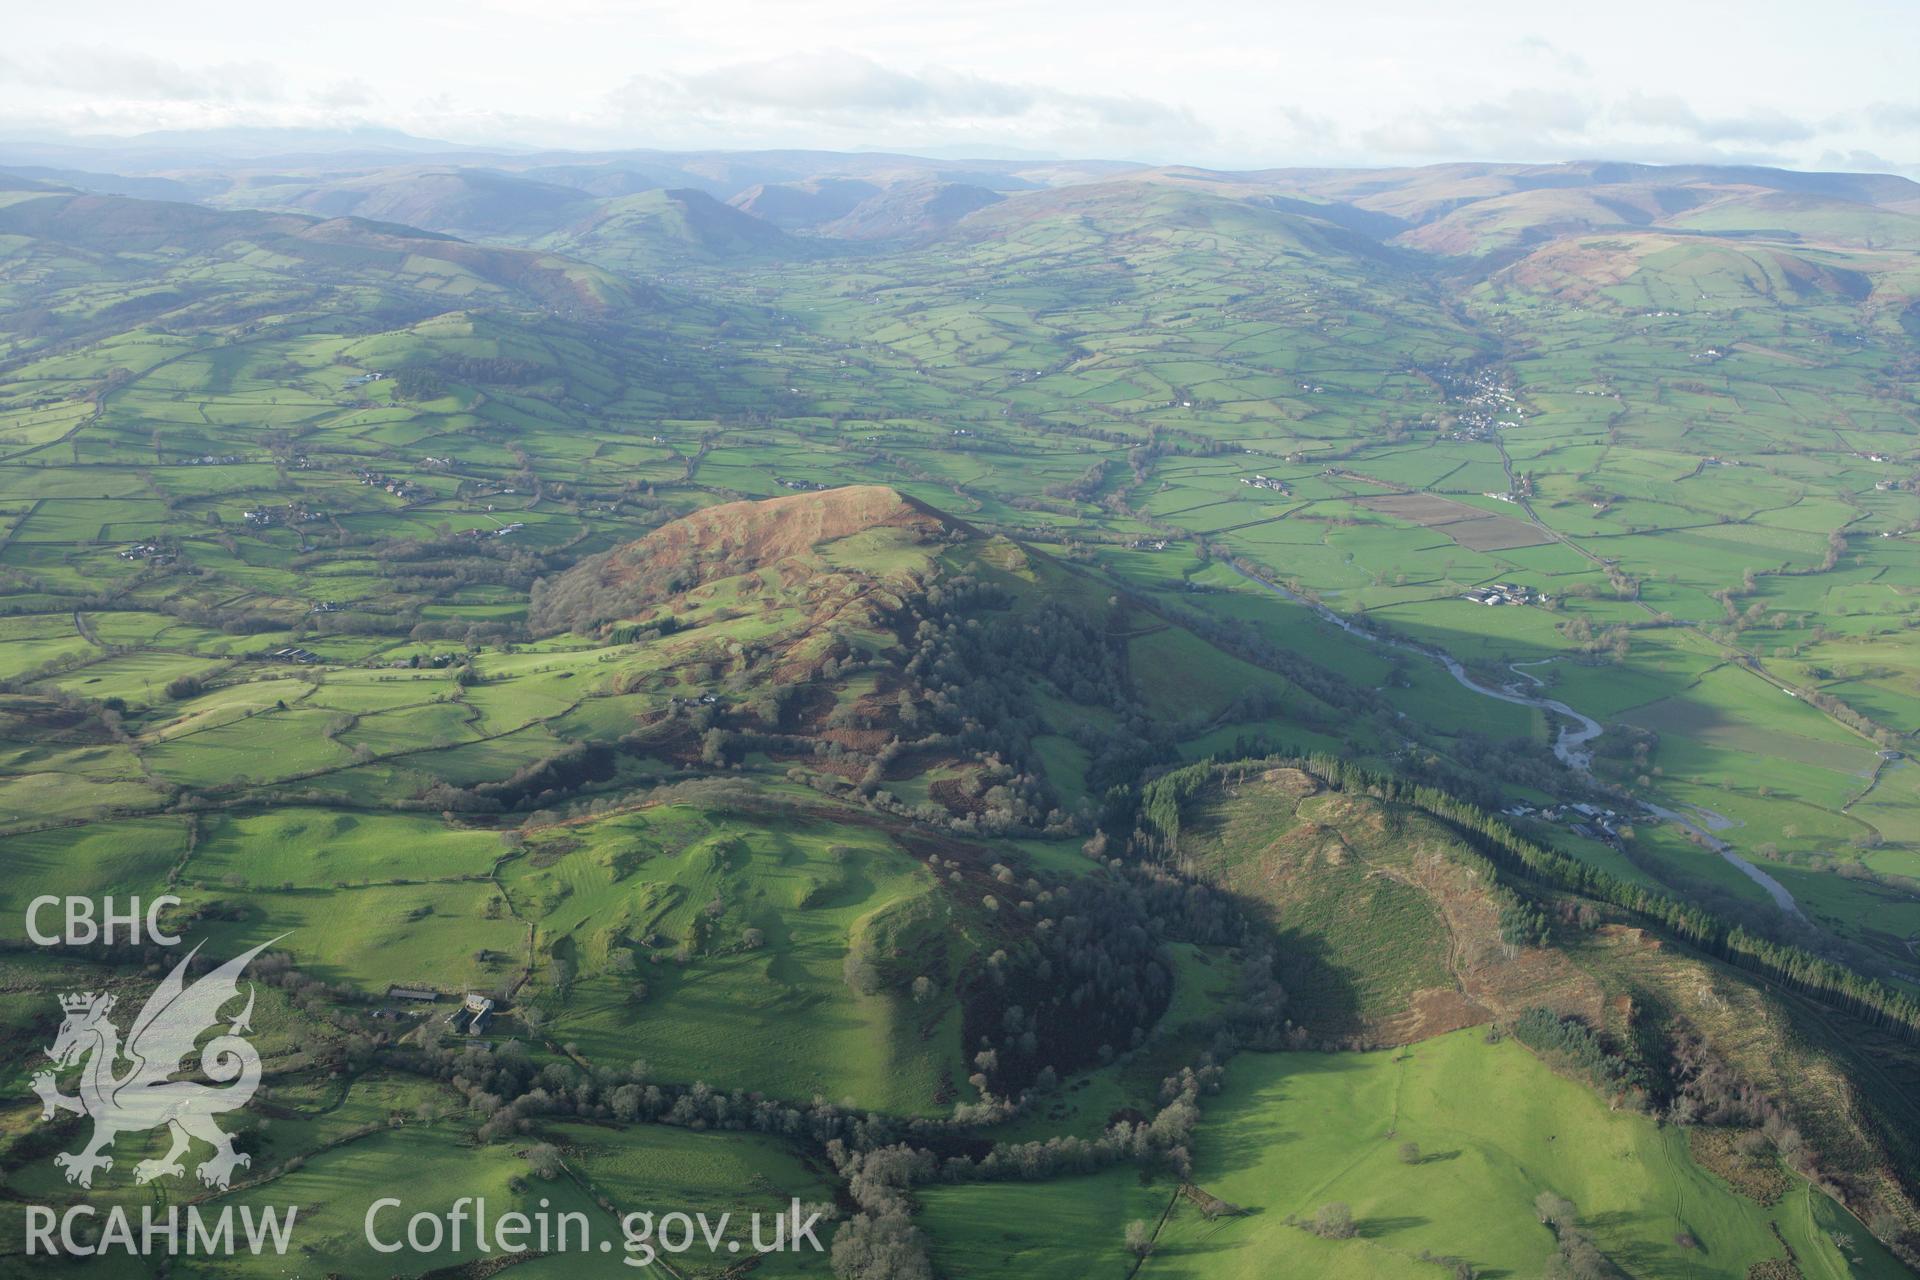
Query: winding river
x=1569 y=745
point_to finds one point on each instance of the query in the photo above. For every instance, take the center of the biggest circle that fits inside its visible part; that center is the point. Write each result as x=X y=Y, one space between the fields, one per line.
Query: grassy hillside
x=873 y=646
x=466 y=201
x=1395 y=928
x=1492 y=1129
x=656 y=231
x=758 y=662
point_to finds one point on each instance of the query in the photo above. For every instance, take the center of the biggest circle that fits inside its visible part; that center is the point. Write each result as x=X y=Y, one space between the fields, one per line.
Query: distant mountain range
x=706 y=205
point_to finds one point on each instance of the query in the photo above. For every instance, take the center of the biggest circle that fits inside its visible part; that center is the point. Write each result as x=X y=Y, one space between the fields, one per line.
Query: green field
x=1494 y=1128
x=888 y=702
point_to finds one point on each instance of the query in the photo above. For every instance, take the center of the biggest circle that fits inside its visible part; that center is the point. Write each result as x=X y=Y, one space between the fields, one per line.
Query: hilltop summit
x=720 y=542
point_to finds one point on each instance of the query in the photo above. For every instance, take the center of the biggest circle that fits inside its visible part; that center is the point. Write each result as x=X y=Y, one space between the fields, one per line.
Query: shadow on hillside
x=1255 y=1134
x=1438 y=1157
x=1654 y=1259
x=1321 y=995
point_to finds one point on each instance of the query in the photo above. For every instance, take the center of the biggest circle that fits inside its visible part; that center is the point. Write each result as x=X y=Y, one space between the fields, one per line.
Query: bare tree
x=1334 y=1221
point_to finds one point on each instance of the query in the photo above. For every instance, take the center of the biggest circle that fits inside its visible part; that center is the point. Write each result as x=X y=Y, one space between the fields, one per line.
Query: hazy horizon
x=1238 y=86
x=239 y=146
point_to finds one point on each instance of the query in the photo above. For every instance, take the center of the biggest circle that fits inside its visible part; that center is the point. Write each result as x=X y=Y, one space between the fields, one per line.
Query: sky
x=1223 y=83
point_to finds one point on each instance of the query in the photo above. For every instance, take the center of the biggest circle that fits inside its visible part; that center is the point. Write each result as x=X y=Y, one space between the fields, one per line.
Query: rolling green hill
x=772 y=621
x=1394 y=931
x=467 y=201
x=910 y=211
x=657 y=230
x=955 y=676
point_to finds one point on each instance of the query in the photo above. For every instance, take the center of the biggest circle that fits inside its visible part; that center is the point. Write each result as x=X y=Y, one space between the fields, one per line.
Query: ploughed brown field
x=1469 y=526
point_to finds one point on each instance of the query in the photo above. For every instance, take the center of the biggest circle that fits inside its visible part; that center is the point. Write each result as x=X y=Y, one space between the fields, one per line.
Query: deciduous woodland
x=1078 y=719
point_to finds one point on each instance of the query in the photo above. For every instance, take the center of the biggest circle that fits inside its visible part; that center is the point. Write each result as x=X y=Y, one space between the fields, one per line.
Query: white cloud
x=833 y=81
x=1901 y=117
x=1562 y=60
x=1557 y=124
x=844 y=94
x=353 y=92
x=1667 y=112
x=122 y=75
x=1234 y=83
x=1523 y=124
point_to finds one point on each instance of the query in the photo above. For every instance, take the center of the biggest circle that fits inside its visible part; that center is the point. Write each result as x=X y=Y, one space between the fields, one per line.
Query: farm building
x=474 y=1015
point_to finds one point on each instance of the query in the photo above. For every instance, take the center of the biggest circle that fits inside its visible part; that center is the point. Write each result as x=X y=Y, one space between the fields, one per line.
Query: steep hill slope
x=870 y=644
x=910 y=211
x=1422 y=195
x=1394 y=926
x=794 y=206
x=77 y=240
x=1719 y=208
x=1661 y=271
x=1476 y=209
x=1156 y=210
x=725 y=541
x=1804 y=217
x=460 y=200
x=664 y=228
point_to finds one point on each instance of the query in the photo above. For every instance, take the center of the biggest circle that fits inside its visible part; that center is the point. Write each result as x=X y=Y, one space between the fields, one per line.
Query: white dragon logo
x=145 y=1096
